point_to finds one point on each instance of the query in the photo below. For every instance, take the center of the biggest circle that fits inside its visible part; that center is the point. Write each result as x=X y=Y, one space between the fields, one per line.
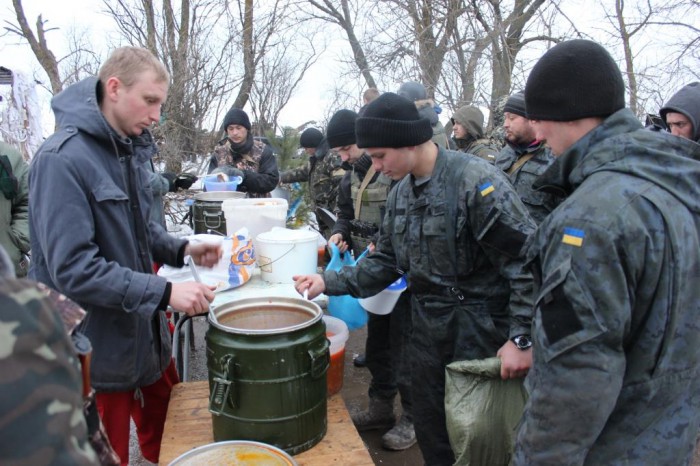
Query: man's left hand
x=514 y=362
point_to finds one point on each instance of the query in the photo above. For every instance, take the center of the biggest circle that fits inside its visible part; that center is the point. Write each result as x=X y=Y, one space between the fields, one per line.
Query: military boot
x=379 y=415
x=401 y=436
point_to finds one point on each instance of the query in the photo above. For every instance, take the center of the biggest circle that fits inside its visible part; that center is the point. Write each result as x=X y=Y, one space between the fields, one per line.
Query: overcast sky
x=308 y=103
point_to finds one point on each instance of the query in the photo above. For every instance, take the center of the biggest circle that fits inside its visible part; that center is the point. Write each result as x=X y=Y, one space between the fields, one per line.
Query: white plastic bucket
x=282 y=253
x=258 y=215
x=383 y=302
x=337 y=333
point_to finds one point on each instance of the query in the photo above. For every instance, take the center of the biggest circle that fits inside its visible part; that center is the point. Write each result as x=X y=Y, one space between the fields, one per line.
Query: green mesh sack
x=482 y=412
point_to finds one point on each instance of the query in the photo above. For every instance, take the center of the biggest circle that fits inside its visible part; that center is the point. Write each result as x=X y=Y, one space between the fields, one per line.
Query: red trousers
x=148 y=409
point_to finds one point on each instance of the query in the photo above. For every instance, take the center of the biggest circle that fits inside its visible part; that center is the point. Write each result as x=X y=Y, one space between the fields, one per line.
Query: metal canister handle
x=320 y=359
x=208 y=215
x=223 y=388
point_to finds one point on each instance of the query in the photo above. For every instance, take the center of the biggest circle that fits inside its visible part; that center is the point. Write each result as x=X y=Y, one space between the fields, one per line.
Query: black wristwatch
x=522 y=342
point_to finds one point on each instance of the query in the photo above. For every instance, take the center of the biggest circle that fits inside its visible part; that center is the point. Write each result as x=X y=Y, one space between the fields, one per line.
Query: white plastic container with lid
x=282 y=253
x=258 y=215
x=383 y=302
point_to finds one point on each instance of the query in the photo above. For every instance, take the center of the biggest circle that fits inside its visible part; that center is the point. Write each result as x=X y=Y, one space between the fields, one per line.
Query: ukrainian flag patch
x=486 y=189
x=573 y=236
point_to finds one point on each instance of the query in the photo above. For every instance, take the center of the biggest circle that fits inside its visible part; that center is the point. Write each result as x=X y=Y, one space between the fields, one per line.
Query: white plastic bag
x=235 y=267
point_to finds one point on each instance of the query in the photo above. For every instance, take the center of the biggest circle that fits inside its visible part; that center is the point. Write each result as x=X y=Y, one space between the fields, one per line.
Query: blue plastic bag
x=346 y=308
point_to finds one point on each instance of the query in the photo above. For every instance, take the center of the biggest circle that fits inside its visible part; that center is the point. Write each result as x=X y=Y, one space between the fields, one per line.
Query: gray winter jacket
x=616 y=360
x=90 y=198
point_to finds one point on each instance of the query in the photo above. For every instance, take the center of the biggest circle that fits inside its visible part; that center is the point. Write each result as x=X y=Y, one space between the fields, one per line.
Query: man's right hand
x=313 y=283
x=192 y=298
x=337 y=239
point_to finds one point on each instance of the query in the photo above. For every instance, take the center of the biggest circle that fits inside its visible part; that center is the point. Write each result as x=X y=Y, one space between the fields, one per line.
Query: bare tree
x=412 y=37
x=631 y=29
x=79 y=62
x=278 y=75
x=345 y=17
x=181 y=35
x=257 y=37
x=506 y=32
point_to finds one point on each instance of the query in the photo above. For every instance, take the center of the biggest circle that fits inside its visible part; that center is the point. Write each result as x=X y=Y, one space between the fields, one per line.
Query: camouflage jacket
x=538 y=202
x=483 y=217
x=364 y=231
x=258 y=164
x=482 y=148
x=41 y=408
x=323 y=172
x=616 y=362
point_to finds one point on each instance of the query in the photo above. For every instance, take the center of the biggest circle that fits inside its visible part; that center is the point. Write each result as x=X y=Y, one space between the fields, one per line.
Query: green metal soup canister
x=267 y=359
x=207 y=215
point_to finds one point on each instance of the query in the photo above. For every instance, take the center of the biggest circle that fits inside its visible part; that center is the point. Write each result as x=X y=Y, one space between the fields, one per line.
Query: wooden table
x=188 y=425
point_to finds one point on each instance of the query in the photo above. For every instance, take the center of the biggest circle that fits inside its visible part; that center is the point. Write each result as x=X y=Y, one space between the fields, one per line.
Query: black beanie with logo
x=575 y=79
x=340 y=131
x=392 y=121
x=236 y=116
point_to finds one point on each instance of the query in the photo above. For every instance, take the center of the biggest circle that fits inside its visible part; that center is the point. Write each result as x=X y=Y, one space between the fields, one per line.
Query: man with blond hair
x=92 y=240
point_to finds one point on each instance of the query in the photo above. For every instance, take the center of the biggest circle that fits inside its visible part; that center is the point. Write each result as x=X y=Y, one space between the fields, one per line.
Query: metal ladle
x=198 y=279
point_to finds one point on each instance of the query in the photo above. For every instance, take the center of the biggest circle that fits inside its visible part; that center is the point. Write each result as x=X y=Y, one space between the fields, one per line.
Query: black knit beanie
x=236 y=116
x=340 y=131
x=516 y=104
x=392 y=121
x=310 y=138
x=573 y=80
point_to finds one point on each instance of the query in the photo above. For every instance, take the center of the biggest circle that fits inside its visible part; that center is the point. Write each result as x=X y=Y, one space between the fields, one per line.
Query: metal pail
x=267 y=361
x=206 y=211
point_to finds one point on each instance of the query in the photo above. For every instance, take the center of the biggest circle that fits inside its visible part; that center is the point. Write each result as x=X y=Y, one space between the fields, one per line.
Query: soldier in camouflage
x=468 y=130
x=239 y=154
x=455 y=227
x=361 y=205
x=323 y=172
x=616 y=370
x=524 y=158
x=41 y=412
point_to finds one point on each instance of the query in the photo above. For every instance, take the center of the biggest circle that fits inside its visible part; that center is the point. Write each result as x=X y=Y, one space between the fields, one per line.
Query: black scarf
x=240 y=149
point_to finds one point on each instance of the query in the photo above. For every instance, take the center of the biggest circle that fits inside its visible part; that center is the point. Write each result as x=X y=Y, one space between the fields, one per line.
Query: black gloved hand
x=185 y=180
x=171 y=180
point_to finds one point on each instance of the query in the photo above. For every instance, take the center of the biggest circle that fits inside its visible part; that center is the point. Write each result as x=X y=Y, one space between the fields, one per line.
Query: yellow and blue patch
x=486 y=189
x=573 y=236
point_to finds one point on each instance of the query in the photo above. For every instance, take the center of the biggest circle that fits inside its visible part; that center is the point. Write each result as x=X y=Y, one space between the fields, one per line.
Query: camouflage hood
x=659 y=157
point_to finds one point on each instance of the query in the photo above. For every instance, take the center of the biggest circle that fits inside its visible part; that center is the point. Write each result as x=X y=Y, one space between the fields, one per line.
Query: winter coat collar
x=621 y=145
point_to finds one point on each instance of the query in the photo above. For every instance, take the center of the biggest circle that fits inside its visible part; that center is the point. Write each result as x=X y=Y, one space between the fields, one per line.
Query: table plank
x=188 y=425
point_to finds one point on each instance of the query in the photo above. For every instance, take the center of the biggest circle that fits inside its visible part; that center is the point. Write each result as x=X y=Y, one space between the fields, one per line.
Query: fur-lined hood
x=426 y=109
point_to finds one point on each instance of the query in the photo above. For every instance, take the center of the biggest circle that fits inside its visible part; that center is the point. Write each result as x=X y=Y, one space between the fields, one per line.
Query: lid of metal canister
x=266 y=316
